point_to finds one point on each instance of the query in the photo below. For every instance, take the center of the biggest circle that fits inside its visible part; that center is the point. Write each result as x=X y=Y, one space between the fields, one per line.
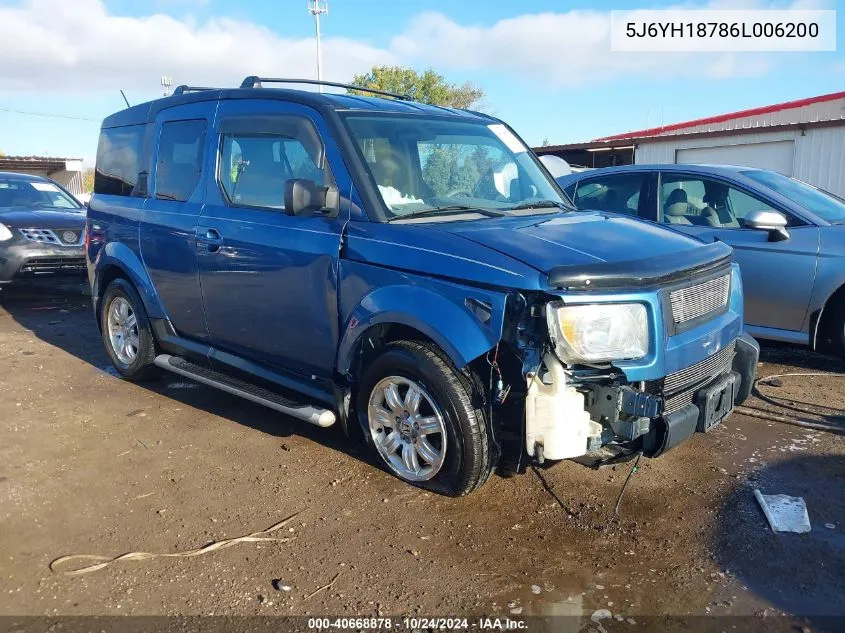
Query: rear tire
x=126 y=332
x=418 y=414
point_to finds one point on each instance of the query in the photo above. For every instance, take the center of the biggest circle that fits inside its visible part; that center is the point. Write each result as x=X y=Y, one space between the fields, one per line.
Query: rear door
x=168 y=228
x=269 y=279
x=778 y=277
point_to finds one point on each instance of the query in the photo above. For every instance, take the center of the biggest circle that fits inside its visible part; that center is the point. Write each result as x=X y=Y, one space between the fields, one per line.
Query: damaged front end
x=634 y=363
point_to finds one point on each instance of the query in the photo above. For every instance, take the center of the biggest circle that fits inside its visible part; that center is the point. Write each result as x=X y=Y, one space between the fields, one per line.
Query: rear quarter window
x=119 y=160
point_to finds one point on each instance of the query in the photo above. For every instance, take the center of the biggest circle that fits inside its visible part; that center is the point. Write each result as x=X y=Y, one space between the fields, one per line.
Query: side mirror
x=768 y=220
x=302 y=194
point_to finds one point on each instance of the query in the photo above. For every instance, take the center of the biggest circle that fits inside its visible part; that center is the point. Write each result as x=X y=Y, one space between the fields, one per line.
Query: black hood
x=43 y=218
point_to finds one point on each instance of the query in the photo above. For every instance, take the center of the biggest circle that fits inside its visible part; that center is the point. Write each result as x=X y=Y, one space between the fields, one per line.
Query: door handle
x=210 y=238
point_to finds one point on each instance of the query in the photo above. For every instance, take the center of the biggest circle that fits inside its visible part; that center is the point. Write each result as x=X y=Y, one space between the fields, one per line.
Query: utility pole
x=317 y=8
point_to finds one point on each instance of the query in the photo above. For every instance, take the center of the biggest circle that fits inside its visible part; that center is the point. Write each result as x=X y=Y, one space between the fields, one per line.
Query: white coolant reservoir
x=555 y=416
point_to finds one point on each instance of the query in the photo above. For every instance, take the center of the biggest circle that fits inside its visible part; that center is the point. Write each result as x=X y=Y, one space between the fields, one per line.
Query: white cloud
x=60 y=45
x=562 y=49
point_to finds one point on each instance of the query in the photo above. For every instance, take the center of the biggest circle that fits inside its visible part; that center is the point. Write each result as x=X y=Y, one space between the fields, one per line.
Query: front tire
x=420 y=415
x=126 y=332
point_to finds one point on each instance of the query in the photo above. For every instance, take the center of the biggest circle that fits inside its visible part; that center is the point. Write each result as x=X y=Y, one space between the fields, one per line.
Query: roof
x=145 y=112
x=18 y=176
x=586 y=145
x=24 y=163
x=721 y=118
x=731 y=171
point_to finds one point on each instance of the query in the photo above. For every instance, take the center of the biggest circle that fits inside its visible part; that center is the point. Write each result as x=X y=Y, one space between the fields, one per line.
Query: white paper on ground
x=785 y=513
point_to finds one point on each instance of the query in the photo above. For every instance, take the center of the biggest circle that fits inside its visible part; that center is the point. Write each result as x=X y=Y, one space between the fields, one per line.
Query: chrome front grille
x=696 y=301
x=680 y=387
x=58 y=237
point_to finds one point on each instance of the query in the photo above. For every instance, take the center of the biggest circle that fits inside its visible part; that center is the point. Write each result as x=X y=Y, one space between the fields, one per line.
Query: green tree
x=428 y=87
x=438 y=169
x=456 y=168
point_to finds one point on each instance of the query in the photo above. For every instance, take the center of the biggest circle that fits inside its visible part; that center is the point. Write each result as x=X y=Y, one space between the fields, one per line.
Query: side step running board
x=306 y=412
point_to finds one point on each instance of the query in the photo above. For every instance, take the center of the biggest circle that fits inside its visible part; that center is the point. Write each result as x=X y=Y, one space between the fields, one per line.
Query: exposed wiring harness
x=803 y=422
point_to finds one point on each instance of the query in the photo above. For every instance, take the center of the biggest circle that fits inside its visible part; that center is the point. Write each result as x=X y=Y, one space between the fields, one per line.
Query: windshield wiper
x=540 y=204
x=446 y=210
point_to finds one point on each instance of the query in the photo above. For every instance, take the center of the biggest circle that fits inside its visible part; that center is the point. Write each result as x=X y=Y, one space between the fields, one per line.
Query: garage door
x=777 y=155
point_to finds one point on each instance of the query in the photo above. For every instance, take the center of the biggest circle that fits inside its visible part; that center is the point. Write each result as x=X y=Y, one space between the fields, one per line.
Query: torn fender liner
x=652 y=271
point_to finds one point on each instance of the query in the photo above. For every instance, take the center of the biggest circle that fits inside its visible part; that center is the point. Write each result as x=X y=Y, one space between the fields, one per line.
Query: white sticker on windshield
x=507 y=137
x=44 y=186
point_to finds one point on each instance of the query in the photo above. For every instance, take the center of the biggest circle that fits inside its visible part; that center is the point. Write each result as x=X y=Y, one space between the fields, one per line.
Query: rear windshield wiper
x=446 y=210
x=541 y=204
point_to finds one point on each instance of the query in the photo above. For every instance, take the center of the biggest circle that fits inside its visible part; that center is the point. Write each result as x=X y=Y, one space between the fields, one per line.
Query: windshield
x=41 y=194
x=423 y=165
x=823 y=204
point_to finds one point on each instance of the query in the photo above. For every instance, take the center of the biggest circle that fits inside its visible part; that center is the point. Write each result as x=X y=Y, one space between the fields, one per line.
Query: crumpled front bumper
x=706 y=411
x=601 y=422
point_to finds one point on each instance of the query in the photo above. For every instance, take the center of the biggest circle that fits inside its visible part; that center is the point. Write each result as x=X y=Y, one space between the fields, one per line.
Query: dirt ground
x=90 y=464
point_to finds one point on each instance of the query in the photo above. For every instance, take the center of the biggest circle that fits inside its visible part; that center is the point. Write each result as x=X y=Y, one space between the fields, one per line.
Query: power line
x=47 y=114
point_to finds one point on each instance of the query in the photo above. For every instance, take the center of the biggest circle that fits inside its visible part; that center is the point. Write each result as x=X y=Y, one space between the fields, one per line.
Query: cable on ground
x=105 y=561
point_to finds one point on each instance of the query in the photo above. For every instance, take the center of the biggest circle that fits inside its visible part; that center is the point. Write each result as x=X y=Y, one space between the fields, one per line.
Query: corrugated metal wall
x=819 y=152
x=822 y=111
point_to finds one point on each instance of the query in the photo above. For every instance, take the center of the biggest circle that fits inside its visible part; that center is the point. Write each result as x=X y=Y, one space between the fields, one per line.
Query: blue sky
x=545 y=65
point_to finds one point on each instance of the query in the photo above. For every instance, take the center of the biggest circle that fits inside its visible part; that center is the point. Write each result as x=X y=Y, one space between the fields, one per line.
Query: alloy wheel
x=123 y=331
x=407 y=428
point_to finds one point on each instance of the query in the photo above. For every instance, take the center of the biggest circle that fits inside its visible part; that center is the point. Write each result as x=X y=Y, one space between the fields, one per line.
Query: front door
x=269 y=279
x=777 y=277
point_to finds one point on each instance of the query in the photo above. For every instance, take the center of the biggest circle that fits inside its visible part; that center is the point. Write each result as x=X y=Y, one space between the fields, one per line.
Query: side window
x=180 y=157
x=256 y=164
x=696 y=201
x=119 y=160
x=615 y=193
x=681 y=200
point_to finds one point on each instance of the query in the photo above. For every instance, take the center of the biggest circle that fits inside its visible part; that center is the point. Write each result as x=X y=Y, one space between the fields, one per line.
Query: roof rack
x=180 y=90
x=256 y=82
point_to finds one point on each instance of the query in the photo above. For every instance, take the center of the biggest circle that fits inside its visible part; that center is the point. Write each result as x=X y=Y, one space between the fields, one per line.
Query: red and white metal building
x=804 y=139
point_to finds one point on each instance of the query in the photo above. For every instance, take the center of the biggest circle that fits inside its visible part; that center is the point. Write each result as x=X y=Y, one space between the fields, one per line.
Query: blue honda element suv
x=410 y=272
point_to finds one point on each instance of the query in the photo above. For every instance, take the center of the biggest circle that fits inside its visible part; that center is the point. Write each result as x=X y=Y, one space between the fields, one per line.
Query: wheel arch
x=454 y=324
x=116 y=261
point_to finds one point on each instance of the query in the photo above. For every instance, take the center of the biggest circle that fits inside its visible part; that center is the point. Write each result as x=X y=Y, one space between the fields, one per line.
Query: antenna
x=123 y=94
x=166 y=84
x=317 y=8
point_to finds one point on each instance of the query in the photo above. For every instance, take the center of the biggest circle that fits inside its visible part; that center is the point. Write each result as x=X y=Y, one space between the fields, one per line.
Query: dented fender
x=465 y=322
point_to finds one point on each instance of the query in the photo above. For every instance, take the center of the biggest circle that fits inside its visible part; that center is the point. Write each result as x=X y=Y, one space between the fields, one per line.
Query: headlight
x=598 y=332
x=5 y=233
